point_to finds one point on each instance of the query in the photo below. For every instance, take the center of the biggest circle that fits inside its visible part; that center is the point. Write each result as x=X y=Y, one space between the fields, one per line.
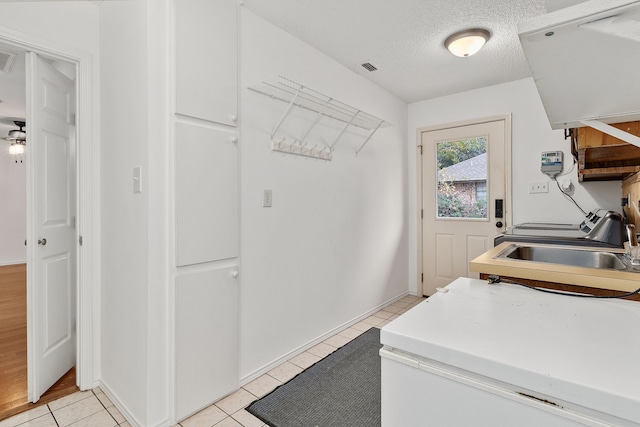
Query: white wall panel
x=206 y=60
x=206 y=338
x=206 y=195
x=124 y=215
x=13 y=215
x=334 y=244
x=73 y=23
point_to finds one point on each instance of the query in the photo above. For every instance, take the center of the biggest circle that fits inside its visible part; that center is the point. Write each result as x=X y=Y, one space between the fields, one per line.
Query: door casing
x=419 y=187
x=87 y=204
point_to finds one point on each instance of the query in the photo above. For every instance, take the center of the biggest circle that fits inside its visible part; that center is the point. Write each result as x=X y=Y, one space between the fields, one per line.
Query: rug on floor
x=341 y=390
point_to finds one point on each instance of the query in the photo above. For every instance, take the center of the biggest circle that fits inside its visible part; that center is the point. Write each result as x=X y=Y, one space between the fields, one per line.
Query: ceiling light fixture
x=18 y=138
x=467 y=42
x=16 y=148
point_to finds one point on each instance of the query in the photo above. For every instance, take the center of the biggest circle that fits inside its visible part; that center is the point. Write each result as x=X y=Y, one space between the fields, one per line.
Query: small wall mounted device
x=551 y=163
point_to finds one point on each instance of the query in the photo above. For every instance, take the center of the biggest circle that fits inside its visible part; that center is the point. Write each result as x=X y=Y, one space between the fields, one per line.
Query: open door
x=51 y=235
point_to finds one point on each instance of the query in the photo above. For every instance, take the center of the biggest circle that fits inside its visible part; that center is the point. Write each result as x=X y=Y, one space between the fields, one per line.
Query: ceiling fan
x=18 y=138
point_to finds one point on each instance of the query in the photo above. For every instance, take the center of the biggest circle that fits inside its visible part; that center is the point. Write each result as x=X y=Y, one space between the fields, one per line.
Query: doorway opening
x=19 y=270
x=464 y=182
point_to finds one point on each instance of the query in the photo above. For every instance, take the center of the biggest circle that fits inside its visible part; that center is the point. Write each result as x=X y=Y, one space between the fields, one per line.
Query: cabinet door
x=206 y=195
x=206 y=338
x=207 y=60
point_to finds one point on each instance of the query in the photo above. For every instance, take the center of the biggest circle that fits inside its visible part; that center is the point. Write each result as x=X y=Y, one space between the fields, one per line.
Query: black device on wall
x=499 y=208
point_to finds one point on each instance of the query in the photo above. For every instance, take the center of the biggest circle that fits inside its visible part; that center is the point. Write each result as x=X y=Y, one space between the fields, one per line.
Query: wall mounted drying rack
x=297 y=95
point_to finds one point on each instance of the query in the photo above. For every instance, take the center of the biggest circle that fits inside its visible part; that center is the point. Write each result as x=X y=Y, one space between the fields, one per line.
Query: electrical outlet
x=538 y=187
x=267 y=199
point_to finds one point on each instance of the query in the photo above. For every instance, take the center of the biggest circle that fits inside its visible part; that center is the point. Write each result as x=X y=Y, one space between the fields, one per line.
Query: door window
x=462 y=178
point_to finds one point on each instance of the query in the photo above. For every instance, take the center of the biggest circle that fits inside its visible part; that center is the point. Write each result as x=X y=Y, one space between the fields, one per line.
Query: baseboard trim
x=16 y=262
x=301 y=349
x=261 y=371
x=121 y=407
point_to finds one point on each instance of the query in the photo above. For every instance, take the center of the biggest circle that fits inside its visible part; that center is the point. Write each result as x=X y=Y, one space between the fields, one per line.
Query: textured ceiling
x=404 y=39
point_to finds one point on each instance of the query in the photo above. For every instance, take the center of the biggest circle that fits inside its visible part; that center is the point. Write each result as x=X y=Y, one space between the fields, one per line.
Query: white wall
x=134 y=50
x=71 y=23
x=334 y=244
x=531 y=134
x=160 y=378
x=123 y=73
x=13 y=214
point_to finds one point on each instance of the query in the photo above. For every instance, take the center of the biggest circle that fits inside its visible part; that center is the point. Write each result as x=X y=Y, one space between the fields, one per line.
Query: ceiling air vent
x=369 y=67
x=6 y=61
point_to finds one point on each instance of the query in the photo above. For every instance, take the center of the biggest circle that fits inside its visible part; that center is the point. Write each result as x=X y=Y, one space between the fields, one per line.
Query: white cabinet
x=408 y=402
x=206 y=195
x=206 y=60
x=584 y=61
x=205 y=200
x=206 y=338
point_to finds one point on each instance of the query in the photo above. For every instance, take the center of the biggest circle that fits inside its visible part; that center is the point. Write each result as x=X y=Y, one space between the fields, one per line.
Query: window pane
x=481 y=190
x=462 y=178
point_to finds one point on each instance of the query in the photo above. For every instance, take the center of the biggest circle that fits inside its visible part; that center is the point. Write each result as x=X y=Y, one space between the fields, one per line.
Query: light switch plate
x=137 y=179
x=267 y=199
x=538 y=187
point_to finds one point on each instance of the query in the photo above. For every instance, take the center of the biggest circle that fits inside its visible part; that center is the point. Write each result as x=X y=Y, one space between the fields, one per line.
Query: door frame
x=87 y=203
x=508 y=214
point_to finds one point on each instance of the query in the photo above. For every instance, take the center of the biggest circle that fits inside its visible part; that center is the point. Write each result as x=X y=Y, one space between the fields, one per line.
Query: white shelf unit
x=301 y=96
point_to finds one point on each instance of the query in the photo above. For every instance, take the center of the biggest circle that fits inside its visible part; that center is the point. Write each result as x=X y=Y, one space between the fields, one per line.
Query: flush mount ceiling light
x=467 y=42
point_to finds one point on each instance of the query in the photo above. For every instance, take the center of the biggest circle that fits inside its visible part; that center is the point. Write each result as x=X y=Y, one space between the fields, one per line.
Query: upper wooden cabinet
x=207 y=60
x=602 y=157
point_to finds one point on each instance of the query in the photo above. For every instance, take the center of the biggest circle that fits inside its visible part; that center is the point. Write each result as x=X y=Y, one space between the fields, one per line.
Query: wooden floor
x=13 y=347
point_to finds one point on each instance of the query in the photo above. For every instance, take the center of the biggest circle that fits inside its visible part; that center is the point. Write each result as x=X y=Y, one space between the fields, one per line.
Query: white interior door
x=51 y=273
x=463 y=174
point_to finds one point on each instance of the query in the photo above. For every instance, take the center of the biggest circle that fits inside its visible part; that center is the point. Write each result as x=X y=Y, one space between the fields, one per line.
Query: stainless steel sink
x=566 y=256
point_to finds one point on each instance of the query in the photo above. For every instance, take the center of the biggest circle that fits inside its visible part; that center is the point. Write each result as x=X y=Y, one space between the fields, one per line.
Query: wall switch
x=267 y=199
x=137 y=179
x=538 y=187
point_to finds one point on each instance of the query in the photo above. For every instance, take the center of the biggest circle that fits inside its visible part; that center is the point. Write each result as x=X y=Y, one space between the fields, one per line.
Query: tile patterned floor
x=81 y=409
x=93 y=409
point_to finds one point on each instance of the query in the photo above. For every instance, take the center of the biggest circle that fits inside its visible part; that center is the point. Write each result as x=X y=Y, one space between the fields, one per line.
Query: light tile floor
x=94 y=409
x=81 y=409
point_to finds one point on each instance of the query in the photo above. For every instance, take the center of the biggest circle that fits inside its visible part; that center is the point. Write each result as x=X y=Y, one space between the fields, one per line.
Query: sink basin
x=565 y=256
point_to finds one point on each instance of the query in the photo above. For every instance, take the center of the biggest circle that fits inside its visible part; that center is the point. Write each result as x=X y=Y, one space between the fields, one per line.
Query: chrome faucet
x=632 y=251
x=631 y=235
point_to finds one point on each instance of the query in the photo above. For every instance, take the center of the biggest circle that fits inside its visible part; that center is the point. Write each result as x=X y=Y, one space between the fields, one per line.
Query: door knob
x=42 y=242
x=235 y=273
x=499 y=224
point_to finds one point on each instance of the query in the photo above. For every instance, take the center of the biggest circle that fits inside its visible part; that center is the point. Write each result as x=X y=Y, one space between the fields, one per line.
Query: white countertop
x=579 y=350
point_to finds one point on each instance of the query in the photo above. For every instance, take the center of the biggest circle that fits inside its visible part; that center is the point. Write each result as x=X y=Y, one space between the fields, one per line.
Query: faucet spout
x=631 y=235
